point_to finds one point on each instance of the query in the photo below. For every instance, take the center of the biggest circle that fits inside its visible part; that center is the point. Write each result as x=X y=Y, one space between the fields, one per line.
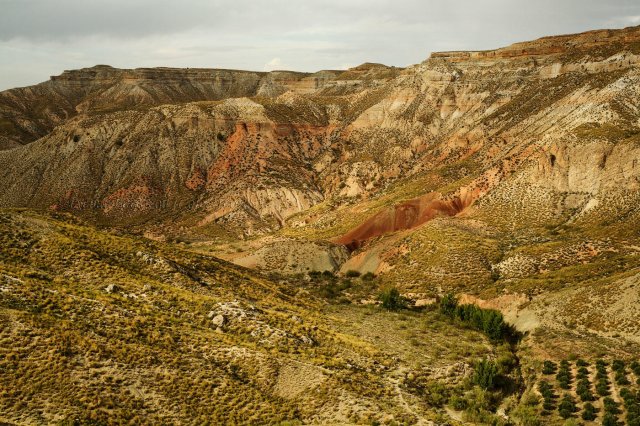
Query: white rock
x=218 y=320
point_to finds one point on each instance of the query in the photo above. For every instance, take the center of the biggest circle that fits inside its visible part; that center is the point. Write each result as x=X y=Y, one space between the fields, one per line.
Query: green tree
x=392 y=300
x=448 y=304
x=549 y=367
x=485 y=374
x=567 y=407
x=610 y=419
x=588 y=412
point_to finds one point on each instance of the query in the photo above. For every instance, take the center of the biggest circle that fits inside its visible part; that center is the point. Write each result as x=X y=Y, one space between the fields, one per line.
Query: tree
x=448 y=304
x=567 y=407
x=610 y=419
x=549 y=367
x=602 y=388
x=588 y=412
x=611 y=406
x=392 y=300
x=485 y=374
x=369 y=276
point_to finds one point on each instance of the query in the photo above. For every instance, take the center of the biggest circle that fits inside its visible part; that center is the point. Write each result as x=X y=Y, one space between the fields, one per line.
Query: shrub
x=458 y=403
x=582 y=363
x=549 y=367
x=485 y=374
x=602 y=388
x=583 y=373
x=545 y=390
x=448 y=304
x=588 y=412
x=436 y=393
x=489 y=321
x=564 y=376
x=527 y=416
x=392 y=300
x=586 y=395
x=610 y=406
x=610 y=419
x=617 y=365
x=352 y=274
x=369 y=276
x=567 y=407
x=621 y=378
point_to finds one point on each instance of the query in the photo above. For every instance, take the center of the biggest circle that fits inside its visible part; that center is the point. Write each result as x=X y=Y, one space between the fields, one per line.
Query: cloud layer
x=39 y=38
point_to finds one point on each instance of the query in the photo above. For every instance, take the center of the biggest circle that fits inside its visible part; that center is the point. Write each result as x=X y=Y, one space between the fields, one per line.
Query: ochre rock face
x=406 y=215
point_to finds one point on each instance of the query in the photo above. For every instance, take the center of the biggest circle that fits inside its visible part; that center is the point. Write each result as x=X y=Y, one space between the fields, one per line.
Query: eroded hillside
x=508 y=177
x=103 y=328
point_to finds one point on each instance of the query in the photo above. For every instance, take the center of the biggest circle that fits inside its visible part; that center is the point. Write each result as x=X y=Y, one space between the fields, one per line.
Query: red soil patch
x=406 y=215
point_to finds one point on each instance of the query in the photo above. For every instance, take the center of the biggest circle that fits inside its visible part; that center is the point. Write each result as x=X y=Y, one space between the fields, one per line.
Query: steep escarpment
x=260 y=148
x=221 y=157
x=29 y=113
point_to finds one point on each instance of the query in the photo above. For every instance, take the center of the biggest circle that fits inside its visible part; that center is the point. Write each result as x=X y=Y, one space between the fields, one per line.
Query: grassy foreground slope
x=97 y=327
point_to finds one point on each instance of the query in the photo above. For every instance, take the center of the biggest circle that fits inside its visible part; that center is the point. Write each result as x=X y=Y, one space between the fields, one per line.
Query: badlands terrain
x=454 y=242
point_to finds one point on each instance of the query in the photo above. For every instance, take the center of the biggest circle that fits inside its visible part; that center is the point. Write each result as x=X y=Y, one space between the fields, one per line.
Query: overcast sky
x=39 y=38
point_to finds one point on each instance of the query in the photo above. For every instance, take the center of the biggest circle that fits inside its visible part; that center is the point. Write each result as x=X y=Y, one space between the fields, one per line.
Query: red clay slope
x=406 y=215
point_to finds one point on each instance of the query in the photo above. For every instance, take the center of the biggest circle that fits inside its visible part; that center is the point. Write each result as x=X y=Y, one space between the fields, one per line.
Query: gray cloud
x=39 y=38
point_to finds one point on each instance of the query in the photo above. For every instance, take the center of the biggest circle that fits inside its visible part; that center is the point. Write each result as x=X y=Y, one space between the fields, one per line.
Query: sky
x=40 y=38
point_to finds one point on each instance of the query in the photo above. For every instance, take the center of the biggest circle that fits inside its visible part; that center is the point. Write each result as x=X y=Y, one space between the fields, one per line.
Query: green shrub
x=610 y=419
x=369 y=276
x=458 y=403
x=621 y=378
x=584 y=390
x=600 y=363
x=485 y=374
x=527 y=416
x=617 y=365
x=549 y=367
x=567 y=407
x=583 y=373
x=610 y=406
x=436 y=393
x=582 y=363
x=448 y=304
x=352 y=274
x=588 y=412
x=392 y=300
x=602 y=388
